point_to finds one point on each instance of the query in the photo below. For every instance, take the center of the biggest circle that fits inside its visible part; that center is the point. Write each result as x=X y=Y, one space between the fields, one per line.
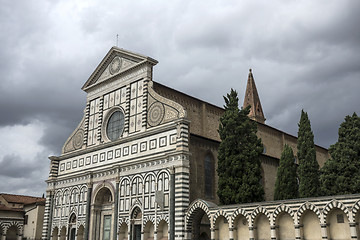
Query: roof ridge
x=20 y=195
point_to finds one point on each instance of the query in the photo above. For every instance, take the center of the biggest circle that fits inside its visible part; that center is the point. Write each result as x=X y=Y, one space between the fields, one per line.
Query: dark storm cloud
x=304 y=55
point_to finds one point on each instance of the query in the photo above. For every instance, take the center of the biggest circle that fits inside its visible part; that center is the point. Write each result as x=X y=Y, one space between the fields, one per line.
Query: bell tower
x=252 y=98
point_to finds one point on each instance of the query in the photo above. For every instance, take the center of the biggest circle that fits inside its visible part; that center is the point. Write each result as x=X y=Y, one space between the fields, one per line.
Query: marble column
x=88 y=206
x=116 y=209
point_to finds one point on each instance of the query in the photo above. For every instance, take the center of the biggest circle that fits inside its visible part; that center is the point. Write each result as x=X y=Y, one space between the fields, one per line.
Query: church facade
x=142 y=157
x=126 y=164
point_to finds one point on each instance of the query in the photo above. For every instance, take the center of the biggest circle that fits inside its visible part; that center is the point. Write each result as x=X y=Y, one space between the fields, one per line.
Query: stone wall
x=333 y=217
x=204 y=138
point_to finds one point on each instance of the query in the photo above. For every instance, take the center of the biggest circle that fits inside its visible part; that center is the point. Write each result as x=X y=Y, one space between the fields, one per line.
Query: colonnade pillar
x=231 y=233
x=323 y=231
x=353 y=232
x=297 y=231
x=251 y=233
x=212 y=233
x=273 y=232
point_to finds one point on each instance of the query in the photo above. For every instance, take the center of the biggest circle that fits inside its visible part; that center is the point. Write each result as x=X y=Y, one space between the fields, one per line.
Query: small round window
x=115 y=125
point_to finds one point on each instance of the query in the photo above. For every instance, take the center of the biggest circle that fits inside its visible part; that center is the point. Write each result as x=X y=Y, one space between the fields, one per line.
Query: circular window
x=115 y=125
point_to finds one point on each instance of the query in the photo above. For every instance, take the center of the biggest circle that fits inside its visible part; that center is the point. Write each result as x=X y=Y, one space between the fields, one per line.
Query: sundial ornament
x=115 y=65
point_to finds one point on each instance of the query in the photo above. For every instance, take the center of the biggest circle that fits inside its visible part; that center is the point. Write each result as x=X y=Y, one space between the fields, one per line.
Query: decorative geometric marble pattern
x=162 y=141
x=136 y=106
x=115 y=65
x=141 y=147
x=109 y=155
x=156 y=114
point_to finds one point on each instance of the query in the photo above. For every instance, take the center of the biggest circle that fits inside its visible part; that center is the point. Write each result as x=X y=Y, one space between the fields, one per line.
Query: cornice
x=116 y=169
x=135 y=136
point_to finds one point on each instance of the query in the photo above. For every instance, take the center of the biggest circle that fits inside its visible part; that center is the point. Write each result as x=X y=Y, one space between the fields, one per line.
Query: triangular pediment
x=116 y=61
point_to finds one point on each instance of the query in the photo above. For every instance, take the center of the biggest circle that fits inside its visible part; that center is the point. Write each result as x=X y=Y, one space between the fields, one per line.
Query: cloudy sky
x=304 y=55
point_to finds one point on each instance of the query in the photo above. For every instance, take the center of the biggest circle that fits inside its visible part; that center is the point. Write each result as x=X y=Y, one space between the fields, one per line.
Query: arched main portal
x=103 y=214
x=136 y=218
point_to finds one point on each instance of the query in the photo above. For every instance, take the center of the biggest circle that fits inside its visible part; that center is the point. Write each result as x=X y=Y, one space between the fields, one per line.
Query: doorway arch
x=103 y=214
x=72 y=227
x=136 y=223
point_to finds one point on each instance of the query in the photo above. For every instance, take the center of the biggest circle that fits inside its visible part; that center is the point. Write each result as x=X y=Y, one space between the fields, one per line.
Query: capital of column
x=89 y=184
x=172 y=170
x=352 y=224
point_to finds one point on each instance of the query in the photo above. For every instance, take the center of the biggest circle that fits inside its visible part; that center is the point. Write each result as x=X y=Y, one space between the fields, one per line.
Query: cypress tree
x=286 y=185
x=341 y=173
x=239 y=167
x=308 y=169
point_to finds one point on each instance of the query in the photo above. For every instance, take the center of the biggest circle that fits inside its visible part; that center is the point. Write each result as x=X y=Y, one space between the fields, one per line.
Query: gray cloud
x=24 y=176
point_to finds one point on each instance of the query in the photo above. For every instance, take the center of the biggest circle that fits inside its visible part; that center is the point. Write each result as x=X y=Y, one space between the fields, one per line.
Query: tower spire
x=252 y=98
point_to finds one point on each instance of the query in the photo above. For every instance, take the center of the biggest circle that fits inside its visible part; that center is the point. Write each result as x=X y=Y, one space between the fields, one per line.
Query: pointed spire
x=252 y=98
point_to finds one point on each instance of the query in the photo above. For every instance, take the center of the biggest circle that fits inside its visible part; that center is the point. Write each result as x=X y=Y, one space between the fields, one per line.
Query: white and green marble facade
x=134 y=173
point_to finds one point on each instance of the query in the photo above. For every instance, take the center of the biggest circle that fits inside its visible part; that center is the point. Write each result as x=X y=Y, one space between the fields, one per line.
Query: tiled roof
x=5 y=208
x=21 y=199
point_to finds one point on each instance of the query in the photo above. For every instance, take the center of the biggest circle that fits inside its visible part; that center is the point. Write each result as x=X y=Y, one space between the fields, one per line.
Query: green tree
x=341 y=173
x=286 y=185
x=239 y=166
x=308 y=169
